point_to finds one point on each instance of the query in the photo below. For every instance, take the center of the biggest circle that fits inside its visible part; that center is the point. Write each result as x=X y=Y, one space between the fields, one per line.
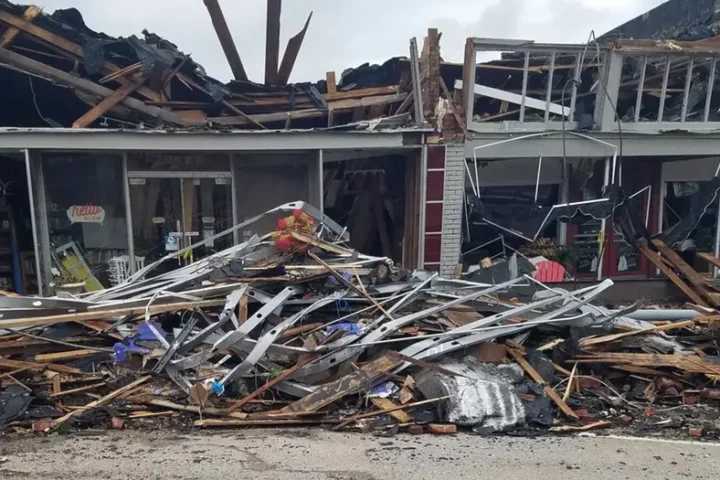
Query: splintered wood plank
x=347 y=385
x=107 y=103
x=541 y=381
x=672 y=276
x=57 y=384
x=331 y=82
x=688 y=363
x=65 y=356
x=291 y=52
x=7 y=38
x=388 y=405
x=697 y=280
x=243 y=309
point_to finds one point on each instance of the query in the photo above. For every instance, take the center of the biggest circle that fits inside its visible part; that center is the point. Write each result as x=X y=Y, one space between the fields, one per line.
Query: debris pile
x=295 y=328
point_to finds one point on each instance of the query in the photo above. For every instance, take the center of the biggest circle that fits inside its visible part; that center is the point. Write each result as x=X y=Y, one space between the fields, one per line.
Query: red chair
x=549 y=271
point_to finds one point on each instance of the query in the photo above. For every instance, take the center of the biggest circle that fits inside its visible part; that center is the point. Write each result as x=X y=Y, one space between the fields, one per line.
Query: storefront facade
x=98 y=215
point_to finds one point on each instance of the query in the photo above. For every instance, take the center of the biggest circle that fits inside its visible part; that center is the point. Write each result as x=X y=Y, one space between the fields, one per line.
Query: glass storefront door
x=171 y=210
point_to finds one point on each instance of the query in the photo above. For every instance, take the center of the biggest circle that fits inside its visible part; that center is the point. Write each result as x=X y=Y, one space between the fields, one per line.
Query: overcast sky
x=347 y=33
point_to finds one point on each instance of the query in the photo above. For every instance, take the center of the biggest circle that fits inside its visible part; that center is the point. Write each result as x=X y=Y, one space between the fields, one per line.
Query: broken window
x=667 y=88
x=506 y=203
x=86 y=210
x=678 y=204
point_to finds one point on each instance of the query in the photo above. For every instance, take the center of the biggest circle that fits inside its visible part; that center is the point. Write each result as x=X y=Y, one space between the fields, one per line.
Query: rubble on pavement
x=293 y=327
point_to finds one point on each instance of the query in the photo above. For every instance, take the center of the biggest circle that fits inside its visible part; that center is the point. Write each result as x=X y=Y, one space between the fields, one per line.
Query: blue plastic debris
x=122 y=349
x=143 y=333
x=217 y=388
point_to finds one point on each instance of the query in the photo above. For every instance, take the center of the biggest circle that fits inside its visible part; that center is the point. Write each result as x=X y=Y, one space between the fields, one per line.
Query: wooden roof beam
x=291 y=53
x=108 y=102
x=272 y=41
x=46 y=71
x=226 y=40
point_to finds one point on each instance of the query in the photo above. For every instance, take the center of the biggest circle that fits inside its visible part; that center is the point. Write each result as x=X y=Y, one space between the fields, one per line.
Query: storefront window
x=86 y=216
x=511 y=206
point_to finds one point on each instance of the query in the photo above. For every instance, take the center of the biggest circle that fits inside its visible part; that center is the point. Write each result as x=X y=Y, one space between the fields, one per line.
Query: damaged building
x=376 y=251
x=120 y=150
x=575 y=153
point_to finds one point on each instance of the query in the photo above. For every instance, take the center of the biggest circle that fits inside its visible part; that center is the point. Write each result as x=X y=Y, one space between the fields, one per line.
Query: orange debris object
x=298 y=222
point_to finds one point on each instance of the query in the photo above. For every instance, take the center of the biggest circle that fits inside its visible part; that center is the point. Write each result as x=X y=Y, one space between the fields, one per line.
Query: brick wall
x=453 y=204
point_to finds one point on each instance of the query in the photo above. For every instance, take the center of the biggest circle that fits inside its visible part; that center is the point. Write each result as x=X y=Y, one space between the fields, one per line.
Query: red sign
x=86 y=214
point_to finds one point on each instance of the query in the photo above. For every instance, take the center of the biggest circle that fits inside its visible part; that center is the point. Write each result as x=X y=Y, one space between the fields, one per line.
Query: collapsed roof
x=58 y=72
